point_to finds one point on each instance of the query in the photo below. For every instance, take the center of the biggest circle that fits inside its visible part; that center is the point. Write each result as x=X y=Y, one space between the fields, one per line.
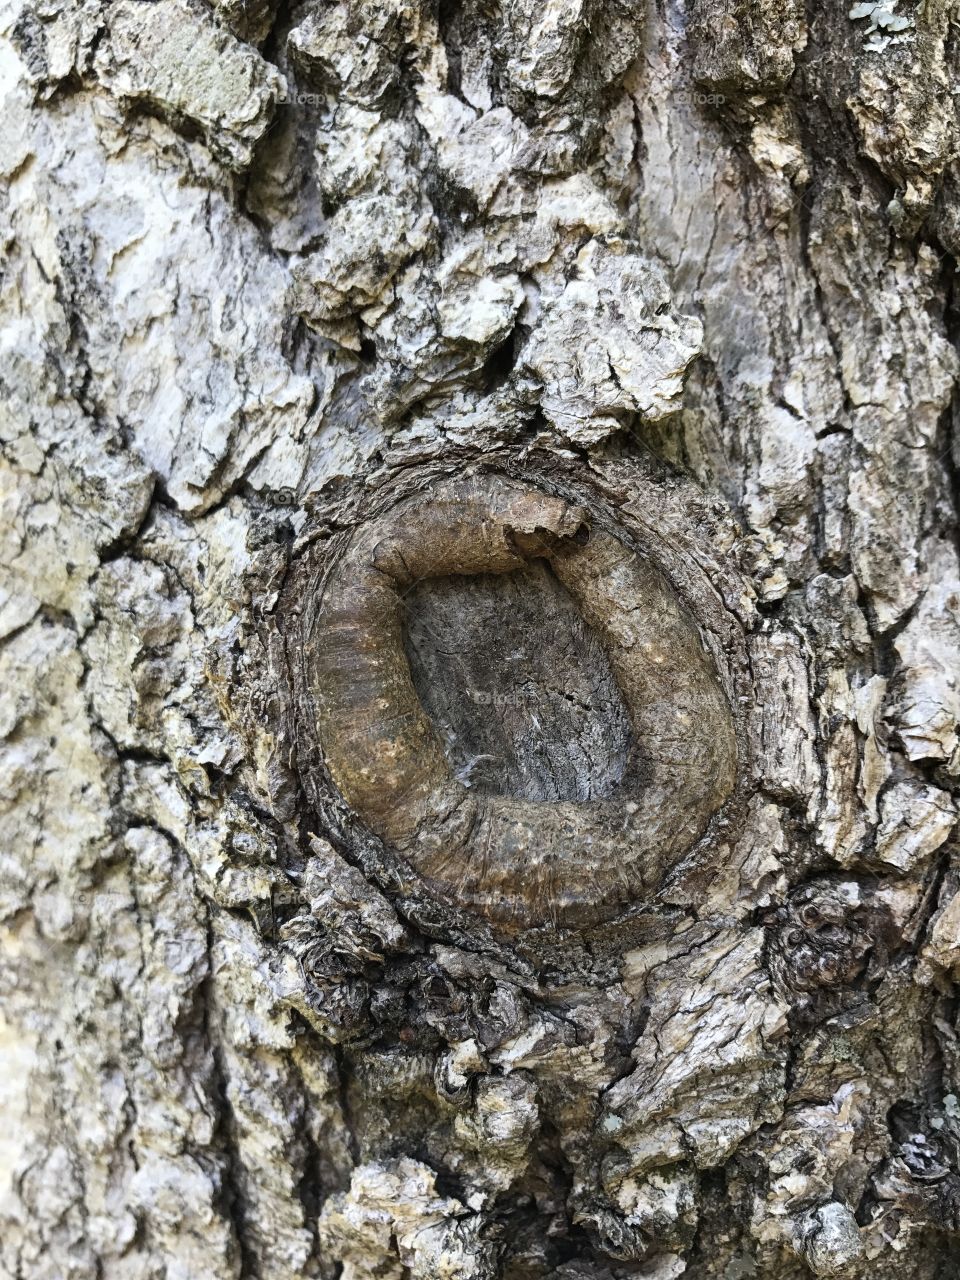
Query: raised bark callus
x=276 y=277
x=520 y=863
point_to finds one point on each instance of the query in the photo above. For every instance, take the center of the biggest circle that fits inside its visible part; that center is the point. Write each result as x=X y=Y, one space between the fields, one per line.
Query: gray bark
x=271 y=275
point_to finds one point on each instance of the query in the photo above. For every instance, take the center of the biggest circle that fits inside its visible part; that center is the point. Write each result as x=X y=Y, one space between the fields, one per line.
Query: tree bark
x=480 y=663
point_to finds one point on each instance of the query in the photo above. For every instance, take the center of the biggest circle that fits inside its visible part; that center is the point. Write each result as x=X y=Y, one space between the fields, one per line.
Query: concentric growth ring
x=520 y=864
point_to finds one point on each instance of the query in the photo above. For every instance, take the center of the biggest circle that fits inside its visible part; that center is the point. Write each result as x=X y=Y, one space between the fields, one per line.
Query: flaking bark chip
x=373 y=759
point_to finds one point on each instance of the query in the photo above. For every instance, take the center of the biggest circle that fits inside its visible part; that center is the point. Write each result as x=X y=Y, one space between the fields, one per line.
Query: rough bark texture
x=268 y=270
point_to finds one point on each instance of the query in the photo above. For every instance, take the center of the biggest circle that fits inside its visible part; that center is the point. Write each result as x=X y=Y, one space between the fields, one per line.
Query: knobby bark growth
x=279 y=282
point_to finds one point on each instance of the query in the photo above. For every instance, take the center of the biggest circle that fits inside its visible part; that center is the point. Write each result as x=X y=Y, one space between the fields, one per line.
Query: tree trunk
x=480 y=678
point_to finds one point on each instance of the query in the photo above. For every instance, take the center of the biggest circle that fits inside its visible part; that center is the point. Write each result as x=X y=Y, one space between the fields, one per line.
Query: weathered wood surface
x=364 y=743
x=260 y=263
